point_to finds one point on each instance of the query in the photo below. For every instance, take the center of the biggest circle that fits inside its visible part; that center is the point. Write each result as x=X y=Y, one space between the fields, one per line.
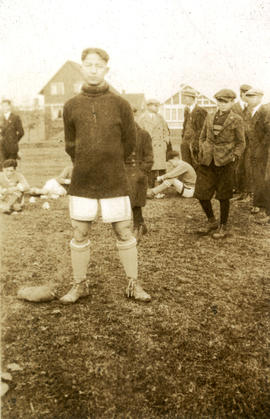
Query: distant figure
x=182 y=177
x=194 y=116
x=11 y=131
x=258 y=135
x=242 y=182
x=12 y=188
x=57 y=186
x=158 y=129
x=138 y=166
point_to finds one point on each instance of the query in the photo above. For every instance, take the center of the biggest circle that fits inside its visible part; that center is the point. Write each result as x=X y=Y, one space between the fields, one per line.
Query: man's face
x=224 y=106
x=153 y=107
x=253 y=101
x=243 y=96
x=188 y=100
x=6 y=107
x=94 y=69
x=9 y=171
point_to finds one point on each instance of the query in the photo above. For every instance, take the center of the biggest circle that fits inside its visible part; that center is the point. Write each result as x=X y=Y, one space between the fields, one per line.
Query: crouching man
x=182 y=177
x=99 y=136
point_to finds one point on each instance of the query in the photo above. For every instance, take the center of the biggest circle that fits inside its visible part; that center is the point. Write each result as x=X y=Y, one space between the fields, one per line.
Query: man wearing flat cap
x=242 y=182
x=158 y=129
x=221 y=143
x=258 y=135
x=194 y=116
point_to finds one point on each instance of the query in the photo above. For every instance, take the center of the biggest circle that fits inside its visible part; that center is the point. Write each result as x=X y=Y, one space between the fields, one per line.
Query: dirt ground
x=200 y=349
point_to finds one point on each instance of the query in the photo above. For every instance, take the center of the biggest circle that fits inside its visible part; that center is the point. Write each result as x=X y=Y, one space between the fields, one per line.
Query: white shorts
x=182 y=189
x=112 y=209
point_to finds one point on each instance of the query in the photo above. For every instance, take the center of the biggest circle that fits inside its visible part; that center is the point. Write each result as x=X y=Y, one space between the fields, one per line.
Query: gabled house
x=136 y=100
x=65 y=84
x=173 y=108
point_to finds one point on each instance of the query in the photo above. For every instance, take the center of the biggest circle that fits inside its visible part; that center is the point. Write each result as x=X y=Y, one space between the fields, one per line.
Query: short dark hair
x=103 y=54
x=10 y=163
x=171 y=154
x=6 y=101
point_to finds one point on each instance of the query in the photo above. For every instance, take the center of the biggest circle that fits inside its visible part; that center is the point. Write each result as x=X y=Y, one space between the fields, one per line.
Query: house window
x=77 y=87
x=57 y=88
x=56 y=112
x=180 y=114
x=174 y=114
x=168 y=115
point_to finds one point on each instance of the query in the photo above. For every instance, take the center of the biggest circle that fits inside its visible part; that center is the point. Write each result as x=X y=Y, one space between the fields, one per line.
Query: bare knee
x=80 y=230
x=122 y=230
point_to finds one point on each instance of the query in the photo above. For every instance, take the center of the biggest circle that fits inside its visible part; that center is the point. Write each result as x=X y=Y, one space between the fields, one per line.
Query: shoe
x=150 y=194
x=159 y=195
x=135 y=290
x=221 y=233
x=255 y=210
x=263 y=221
x=77 y=291
x=212 y=225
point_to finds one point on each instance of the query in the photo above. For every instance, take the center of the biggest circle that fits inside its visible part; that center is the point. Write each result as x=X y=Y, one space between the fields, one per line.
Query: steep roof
x=184 y=87
x=77 y=68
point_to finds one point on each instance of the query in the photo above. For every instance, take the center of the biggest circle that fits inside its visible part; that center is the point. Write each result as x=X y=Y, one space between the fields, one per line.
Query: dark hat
x=245 y=87
x=226 y=95
x=152 y=102
x=189 y=92
x=254 y=92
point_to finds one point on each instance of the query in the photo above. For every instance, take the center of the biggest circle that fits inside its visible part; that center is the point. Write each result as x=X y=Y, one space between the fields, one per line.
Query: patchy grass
x=200 y=349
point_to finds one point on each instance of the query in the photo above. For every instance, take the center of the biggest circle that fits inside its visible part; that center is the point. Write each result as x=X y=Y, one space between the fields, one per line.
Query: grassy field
x=200 y=349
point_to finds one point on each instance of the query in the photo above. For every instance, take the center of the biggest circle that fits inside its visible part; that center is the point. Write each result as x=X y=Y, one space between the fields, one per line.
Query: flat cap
x=152 y=102
x=189 y=92
x=245 y=87
x=254 y=92
x=225 y=94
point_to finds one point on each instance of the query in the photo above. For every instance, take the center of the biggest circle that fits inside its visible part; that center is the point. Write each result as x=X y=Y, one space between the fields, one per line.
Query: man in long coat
x=11 y=131
x=194 y=116
x=158 y=129
x=259 y=138
x=138 y=166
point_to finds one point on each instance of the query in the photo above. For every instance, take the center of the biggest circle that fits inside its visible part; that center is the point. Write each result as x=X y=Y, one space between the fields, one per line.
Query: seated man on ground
x=13 y=185
x=182 y=177
x=55 y=187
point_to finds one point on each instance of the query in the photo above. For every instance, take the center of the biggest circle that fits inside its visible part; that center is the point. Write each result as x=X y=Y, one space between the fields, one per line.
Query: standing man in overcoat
x=158 y=129
x=259 y=137
x=194 y=116
x=11 y=131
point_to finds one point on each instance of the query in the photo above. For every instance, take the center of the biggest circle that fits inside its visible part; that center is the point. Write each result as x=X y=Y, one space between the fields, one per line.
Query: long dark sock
x=207 y=207
x=224 y=210
x=137 y=216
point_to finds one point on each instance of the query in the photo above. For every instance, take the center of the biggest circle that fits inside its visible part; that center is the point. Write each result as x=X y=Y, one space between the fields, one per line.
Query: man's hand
x=160 y=178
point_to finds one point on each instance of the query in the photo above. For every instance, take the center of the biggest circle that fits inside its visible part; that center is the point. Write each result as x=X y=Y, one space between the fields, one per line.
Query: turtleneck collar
x=90 y=90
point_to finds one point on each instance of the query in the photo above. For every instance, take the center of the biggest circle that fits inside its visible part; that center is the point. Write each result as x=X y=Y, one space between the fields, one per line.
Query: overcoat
x=11 y=132
x=100 y=134
x=192 y=127
x=258 y=133
x=223 y=148
x=158 y=129
x=138 y=165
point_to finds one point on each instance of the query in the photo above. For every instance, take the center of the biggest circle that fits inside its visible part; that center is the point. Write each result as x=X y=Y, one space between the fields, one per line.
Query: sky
x=154 y=45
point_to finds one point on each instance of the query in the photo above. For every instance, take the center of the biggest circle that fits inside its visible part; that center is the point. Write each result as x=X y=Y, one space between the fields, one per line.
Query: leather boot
x=135 y=290
x=78 y=290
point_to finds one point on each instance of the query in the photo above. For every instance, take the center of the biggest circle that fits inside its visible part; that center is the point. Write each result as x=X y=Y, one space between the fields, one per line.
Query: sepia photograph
x=135 y=209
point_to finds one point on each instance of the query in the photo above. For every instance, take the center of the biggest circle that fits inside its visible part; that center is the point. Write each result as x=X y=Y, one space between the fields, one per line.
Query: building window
x=167 y=114
x=57 y=88
x=181 y=114
x=173 y=114
x=77 y=87
x=56 y=112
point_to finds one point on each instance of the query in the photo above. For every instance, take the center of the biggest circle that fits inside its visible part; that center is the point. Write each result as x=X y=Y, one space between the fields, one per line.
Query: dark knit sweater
x=99 y=136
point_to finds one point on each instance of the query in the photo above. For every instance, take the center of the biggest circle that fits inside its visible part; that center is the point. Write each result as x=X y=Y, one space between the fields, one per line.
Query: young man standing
x=258 y=135
x=99 y=136
x=194 y=117
x=222 y=142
